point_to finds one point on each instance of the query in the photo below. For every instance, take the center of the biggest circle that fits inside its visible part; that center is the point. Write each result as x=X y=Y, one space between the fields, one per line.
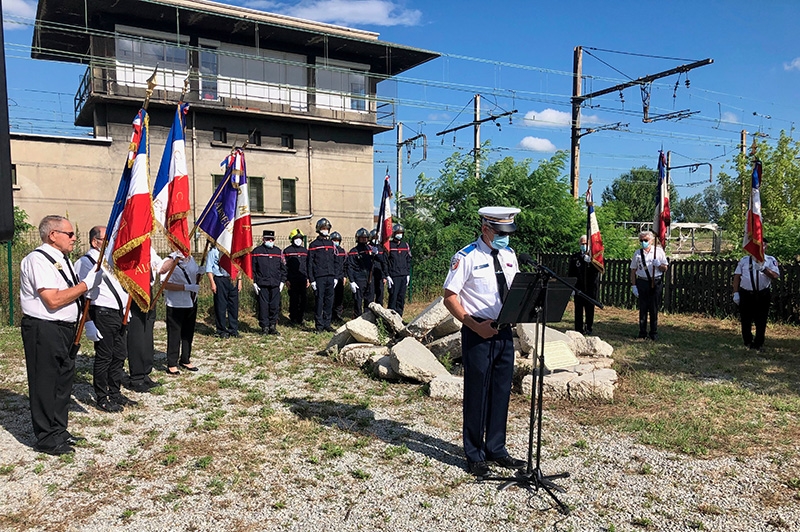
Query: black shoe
x=319 y=330
x=329 y=329
x=63 y=448
x=140 y=387
x=222 y=335
x=264 y=330
x=122 y=400
x=588 y=332
x=173 y=373
x=511 y=463
x=107 y=405
x=72 y=440
x=653 y=337
x=478 y=469
x=234 y=334
x=274 y=330
x=187 y=367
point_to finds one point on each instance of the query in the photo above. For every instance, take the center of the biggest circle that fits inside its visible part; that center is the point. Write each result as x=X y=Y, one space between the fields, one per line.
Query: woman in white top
x=647 y=270
x=180 y=292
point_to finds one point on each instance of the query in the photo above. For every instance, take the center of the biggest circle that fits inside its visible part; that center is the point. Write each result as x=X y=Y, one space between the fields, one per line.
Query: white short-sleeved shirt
x=36 y=273
x=748 y=265
x=643 y=268
x=184 y=273
x=472 y=277
x=102 y=295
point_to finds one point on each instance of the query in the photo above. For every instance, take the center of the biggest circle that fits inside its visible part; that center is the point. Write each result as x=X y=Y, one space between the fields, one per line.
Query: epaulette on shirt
x=463 y=252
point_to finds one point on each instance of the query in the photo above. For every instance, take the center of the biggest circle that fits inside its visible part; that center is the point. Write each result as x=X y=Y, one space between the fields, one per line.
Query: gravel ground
x=275 y=437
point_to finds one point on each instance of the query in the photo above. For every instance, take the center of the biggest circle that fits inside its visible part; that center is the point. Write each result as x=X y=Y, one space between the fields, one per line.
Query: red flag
x=595 y=240
x=661 y=220
x=385 y=215
x=753 y=242
x=171 y=204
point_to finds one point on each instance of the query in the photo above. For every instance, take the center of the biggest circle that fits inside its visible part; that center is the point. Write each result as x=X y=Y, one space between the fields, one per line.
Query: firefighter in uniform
x=360 y=261
x=338 y=292
x=378 y=267
x=587 y=279
x=398 y=273
x=476 y=284
x=50 y=295
x=296 y=256
x=269 y=275
x=322 y=275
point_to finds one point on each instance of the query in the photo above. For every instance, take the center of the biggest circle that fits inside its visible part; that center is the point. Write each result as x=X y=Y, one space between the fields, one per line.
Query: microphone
x=527 y=260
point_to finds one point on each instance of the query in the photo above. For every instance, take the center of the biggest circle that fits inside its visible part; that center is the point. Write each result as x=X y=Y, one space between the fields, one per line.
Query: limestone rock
x=412 y=360
x=382 y=368
x=556 y=385
x=449 y=326
x=363 y=330
x=598 y=347
x=580 y=344
x=391 y=318
x=450 y=344
x=598 y=384
x=359 y=353
x=341 y=338
x=597 y=362
x=527 y=336
x=428 y=319
x=447 y=387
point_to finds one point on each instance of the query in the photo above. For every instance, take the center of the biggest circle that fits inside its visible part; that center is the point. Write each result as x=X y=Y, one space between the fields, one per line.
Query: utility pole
x=476 y=124
x=578 y=99
x=399 y=188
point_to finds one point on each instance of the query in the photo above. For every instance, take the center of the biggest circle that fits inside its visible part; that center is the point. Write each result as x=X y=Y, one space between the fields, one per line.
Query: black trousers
x=110 y=352
x=180 y=333
x=140 y=344
x=488 y=369
x=363 y=296
x=649 y=303
x=323 y=302
x=754 y=309
x=50 y=375
x=298 y=299
x=584 y=307
x=338 y=300
x=377 y=287
x=397 y=293
x=226 y=306
x=269 y=306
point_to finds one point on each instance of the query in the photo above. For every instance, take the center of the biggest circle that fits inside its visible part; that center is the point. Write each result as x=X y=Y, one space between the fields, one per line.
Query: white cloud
x=554 y=118
x=22 y=9
x=345 y=12
x=794 y=65
x=537 y=144
x=729 y=118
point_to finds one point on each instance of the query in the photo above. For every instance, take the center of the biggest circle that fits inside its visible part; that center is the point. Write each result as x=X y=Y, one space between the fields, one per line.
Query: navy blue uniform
x=378 y=272
x=398 y=263
x=322 y=270
x=338 y=290
x=296 y=273
x=587 y=282
x=269 y=272
x=360 y=261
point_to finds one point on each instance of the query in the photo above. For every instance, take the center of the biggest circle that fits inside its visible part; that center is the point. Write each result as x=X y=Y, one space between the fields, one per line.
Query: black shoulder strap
x=108 y=283
x=644 y=264
x=64 y=275
x=753 y=279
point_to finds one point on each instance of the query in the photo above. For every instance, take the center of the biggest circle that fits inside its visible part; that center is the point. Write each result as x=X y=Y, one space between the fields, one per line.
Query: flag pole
x=588 y=235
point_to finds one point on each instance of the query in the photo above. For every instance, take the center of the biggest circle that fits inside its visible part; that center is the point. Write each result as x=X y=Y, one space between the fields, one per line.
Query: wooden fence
x=692 y=286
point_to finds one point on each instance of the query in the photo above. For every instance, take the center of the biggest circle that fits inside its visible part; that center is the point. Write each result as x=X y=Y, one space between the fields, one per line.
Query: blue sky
x=518 y=55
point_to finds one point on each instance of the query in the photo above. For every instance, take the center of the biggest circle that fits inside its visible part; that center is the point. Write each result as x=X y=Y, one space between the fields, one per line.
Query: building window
x=14 y=175
x=255 y=191
x=357 y=93
x=254 y=138
x=287 y=141
x=288 y=195
x=208 y=74
x=221 y=135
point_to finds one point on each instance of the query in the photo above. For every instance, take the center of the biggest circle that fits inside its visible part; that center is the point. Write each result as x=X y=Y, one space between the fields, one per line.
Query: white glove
x=93 y=279
x=635 y=291
x=256 y=289
x=587 y=258
x=353 y=287
x=736 y=297
x=572 y=294
x=194 y=288
x=389 y=281
x=408 y=279
x=155 y=260
x=91 y=332
x=280 y=288
x=335 y=282
x=314 y=286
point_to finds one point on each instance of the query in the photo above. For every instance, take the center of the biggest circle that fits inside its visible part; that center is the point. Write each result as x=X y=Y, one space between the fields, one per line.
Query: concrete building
x=303 y=94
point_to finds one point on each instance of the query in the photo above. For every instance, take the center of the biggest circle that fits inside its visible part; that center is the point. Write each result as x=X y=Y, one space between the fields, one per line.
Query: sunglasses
x=70 y=234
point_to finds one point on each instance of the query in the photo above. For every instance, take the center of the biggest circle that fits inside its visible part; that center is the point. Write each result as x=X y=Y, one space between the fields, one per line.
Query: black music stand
x=535 y=297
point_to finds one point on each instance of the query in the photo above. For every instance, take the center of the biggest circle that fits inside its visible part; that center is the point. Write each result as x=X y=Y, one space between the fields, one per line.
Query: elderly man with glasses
x=648 y=265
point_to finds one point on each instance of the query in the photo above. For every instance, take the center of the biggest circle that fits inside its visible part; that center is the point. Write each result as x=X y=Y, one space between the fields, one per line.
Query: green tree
x=634 y=194
x=706 y=206
x=21 y=224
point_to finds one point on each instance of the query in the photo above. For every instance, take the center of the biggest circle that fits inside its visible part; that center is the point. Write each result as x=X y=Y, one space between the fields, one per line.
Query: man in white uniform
x=751 y=291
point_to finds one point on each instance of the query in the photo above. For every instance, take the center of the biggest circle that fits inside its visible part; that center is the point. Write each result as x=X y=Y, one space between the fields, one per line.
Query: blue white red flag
x=662 y=219
x=226 y=218
x=595 y=239
x=385 y=215
x=753 y=242
x=171 y=188
x=131 y=222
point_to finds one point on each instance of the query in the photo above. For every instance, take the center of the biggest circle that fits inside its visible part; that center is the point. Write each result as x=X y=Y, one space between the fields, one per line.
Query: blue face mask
x=583 y=248
x=645 y=244
x=398 y=236
x=269 y=243
x=500 y=242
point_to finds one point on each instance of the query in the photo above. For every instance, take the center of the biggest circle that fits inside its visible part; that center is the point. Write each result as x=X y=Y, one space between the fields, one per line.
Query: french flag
x=131 y=222
x=753 y=242
x=661 y=219
x=171 y=189
x=595 y=239
x=385 y=214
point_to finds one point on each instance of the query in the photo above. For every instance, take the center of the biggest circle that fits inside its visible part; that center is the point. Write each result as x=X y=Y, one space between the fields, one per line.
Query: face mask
x=298 y=241
x=337 y=242
x=584 y=248
x=645 y=244
x=399 y=236
x=269 y=243
x=500 y=242
x=324 y=232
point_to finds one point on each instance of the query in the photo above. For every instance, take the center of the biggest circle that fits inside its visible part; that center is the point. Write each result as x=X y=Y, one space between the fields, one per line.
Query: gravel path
x=268 y=437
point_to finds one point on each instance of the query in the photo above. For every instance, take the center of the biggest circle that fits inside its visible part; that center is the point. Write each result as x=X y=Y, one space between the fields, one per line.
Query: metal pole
x=575 y=153
x=10 y=287
x=399 y=190
x=477 y=136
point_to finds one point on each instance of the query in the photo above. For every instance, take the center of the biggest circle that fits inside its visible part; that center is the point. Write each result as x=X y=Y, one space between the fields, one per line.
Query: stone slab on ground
x=382 y=368
x=449 y=326
x=450 y=344
x=364 y=330
x=447 y=387
x=358 y=354
x=598 y=384
x=433 y=315
x=527 y=336
x=413 y=360
x=391 y=318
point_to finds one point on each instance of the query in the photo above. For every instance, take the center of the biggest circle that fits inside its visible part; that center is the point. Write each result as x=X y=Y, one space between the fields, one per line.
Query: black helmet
x=336 y=236
x=373 y=234
x=397 y=228
x=362 y=233
x=323 y=223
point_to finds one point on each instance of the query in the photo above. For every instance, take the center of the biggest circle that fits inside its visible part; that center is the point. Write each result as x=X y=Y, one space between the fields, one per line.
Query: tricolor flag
x=385 y=214
x=753 y=242
x=226 y=218
x=171 y=189
x=595 y=240
x=661 y=220
x=131 y=222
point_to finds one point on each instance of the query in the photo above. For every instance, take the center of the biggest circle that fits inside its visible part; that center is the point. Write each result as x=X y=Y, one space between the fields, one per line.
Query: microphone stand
x=532 y=478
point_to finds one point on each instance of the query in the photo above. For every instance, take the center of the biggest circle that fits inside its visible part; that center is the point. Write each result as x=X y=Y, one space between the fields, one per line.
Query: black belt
x=754 y=291
x=60 y=323
x=494 y=323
